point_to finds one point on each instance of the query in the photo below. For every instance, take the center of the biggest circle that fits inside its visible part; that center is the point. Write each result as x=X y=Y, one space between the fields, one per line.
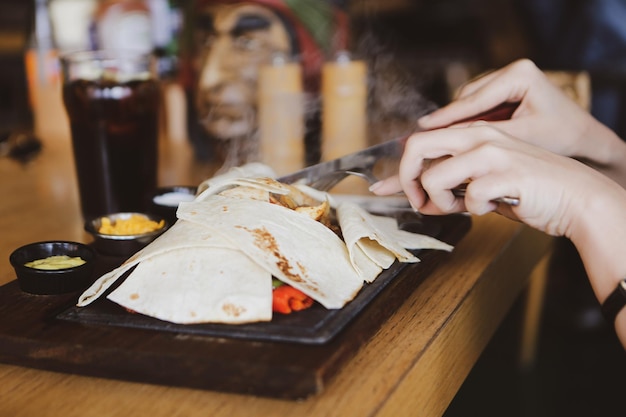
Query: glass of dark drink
x=112 y=101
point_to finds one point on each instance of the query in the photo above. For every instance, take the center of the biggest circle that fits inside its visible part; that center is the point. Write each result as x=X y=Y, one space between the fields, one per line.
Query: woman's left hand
x=550 y=187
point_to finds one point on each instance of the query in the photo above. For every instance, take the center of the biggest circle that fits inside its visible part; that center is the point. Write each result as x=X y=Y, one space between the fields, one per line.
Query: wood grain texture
x=31 y=334
x=414 y=363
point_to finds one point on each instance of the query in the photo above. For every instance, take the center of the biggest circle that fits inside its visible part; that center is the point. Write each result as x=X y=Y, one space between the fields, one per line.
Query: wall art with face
x=231 y=40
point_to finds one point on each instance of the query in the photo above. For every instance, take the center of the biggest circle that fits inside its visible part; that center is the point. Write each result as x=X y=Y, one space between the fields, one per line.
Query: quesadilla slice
x=181 y=235
x=375 y=242
x=292 y=246
x=180 y=289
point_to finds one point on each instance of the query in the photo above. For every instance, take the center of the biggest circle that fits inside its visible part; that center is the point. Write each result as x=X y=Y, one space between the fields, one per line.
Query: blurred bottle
x=344 y=105
x=141 y=25
x=71 y=21
x=16 y=115
x=123 y=24
x=281 y=115
x=42 y=71
x=167 y=23
x=344 y=113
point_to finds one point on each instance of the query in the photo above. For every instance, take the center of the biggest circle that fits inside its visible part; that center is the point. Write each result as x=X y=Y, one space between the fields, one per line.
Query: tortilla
x=375 y=242
x=251 y=170
x=179 y=288
x=290 y=245
x=180 y=236
x=406 y=239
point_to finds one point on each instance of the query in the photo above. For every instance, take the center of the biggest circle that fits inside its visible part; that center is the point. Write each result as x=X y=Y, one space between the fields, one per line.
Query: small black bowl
x=57 y=281
x=165 y=200
x=122 y=245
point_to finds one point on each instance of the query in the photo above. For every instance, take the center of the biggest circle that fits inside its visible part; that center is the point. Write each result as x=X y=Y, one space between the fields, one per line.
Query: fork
x=327 y=182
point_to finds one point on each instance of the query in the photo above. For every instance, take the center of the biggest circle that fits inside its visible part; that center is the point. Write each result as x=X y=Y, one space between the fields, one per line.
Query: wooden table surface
x=413 y=366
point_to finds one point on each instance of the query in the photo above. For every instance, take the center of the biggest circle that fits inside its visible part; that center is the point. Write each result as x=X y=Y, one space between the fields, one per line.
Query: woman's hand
x=557 y=195
x=553 y=190
x=545 y=116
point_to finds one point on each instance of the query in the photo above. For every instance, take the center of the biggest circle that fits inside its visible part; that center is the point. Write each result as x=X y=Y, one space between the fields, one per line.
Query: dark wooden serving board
x=287 y=362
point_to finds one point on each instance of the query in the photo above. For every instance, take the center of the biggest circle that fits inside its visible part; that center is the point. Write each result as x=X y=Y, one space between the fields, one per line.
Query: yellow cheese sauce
x=56 y=262
x=134 y=225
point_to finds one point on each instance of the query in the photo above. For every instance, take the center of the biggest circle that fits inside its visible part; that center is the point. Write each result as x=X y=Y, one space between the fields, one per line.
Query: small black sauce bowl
x=168 y=211
x=58 y=281
x=122 y=245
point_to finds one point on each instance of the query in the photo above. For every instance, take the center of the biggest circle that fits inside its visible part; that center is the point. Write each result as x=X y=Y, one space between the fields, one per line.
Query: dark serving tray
x=313 y=326
x=292 y=356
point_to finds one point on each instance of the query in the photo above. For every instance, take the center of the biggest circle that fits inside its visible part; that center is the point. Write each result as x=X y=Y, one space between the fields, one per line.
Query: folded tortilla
x=375 y=242
x=290 y=245
x=182 y=235
x=251 y=170
x=179 y=288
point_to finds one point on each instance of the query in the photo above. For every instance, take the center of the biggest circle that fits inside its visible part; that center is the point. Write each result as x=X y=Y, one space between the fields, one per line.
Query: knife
x=325 y=175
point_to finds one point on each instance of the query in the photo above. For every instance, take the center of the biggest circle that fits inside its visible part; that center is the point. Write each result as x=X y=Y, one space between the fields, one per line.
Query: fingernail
x=375 y=186
x=423 y=120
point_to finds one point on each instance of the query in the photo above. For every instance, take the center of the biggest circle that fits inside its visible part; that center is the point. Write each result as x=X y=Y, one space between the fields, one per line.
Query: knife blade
x=326 y=174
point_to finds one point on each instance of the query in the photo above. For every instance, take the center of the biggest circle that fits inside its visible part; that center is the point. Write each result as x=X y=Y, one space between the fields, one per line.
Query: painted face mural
x=232 y=39
x=238 y=40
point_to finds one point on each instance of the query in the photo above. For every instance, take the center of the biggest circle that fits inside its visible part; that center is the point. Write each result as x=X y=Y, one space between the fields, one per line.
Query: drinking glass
x=112 y=101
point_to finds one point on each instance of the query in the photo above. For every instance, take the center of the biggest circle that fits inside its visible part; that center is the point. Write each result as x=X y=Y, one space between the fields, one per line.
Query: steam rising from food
x=395 y=98
x=395 y=95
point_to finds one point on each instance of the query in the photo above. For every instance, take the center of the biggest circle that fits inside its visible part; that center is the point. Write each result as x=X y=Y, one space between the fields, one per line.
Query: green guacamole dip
x=56 y=262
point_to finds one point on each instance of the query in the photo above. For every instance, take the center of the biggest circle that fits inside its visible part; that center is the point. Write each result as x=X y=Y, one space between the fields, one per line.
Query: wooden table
x=413 y=366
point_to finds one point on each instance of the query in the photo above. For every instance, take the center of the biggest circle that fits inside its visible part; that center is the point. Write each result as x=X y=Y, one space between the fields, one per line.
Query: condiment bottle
x=281 y=115
x=42 y=73
x=344 y=111
x=71 y=21
x=167 y=21
x=123 y=24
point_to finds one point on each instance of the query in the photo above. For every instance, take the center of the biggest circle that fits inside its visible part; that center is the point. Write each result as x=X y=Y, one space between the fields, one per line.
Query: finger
x=497 y=96
x=481 y=104
x=445 y=200
x=434 y=144
x=423 y=147
x=519 y=128
x=387 y=186
x=476 y=83
x=509 y=84
x=453 y=113
x=438 y=182
x=478 y=160
x=408 y=175
x=483 y=192
x=419 y=150
x=430 y=208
